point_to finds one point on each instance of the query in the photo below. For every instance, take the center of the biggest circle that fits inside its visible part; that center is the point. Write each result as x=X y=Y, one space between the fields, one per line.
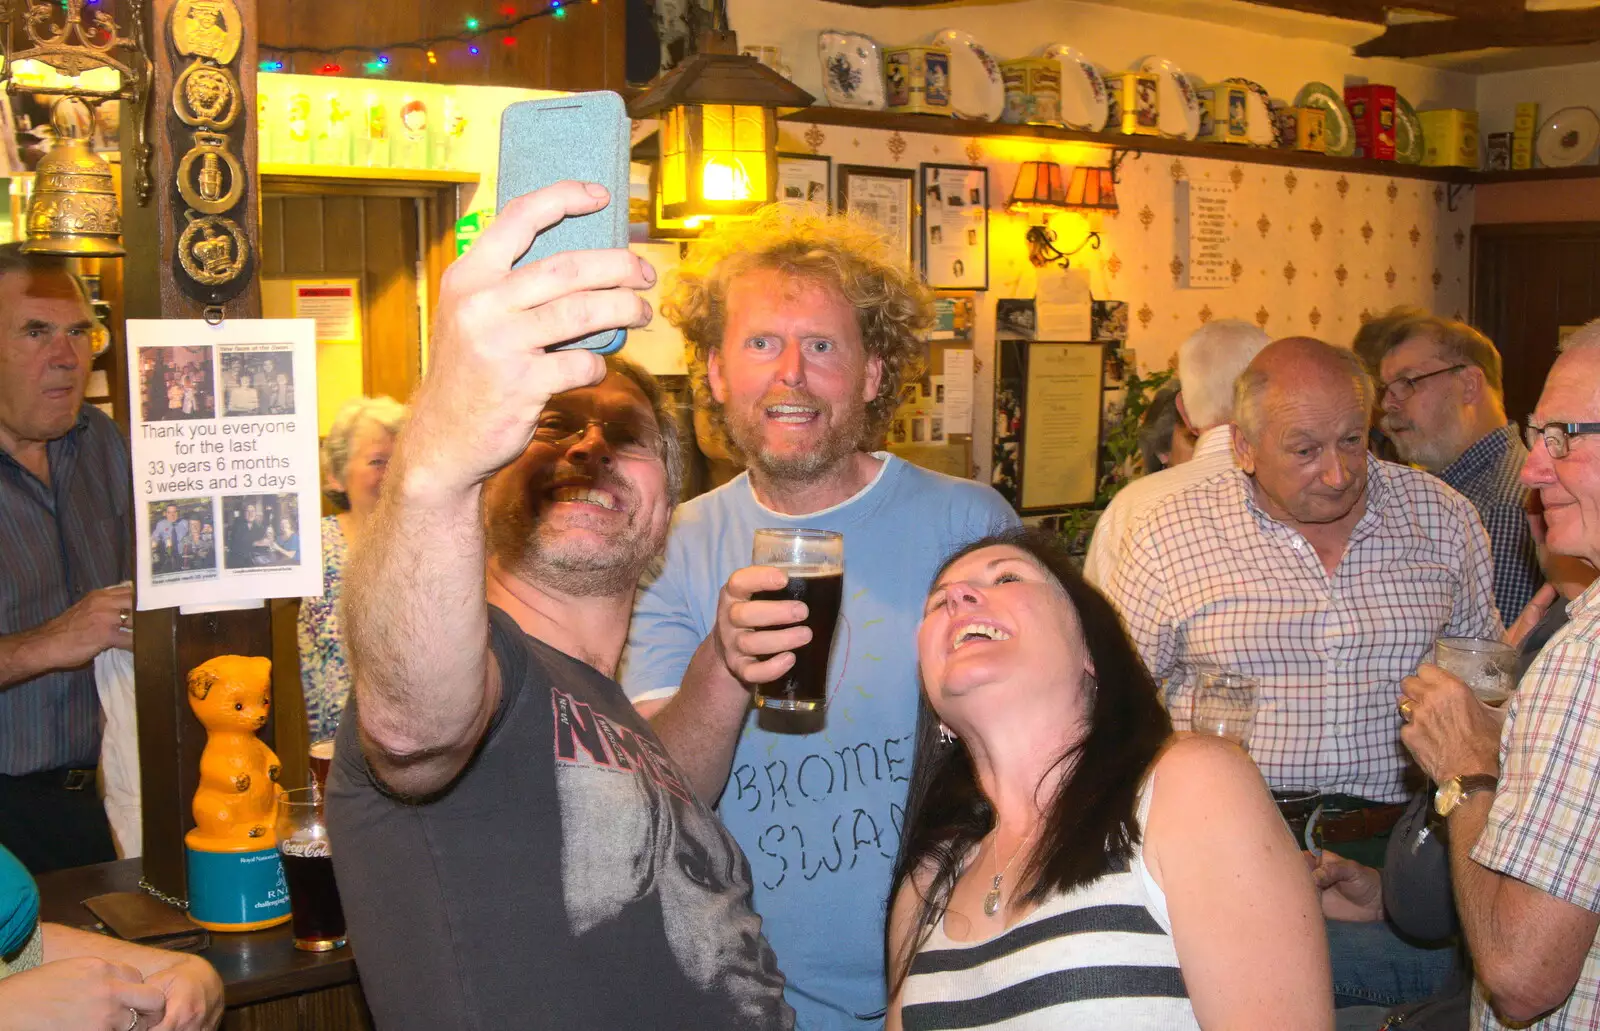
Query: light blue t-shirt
x=819 y=815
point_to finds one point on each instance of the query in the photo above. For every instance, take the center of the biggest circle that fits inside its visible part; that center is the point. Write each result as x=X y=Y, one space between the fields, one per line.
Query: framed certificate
x=955 y=227
x=882 y=196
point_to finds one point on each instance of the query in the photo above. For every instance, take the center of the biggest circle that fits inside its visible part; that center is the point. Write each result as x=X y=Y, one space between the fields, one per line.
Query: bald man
x=1318 y=570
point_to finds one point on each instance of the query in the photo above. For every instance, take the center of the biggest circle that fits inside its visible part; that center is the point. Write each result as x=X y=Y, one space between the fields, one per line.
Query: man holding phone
x=514 y=846
x=804 y=327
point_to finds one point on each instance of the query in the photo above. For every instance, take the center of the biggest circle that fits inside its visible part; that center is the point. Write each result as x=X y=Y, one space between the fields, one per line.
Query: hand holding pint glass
x=814 y=563
x=316 y=914
x=1489 y=668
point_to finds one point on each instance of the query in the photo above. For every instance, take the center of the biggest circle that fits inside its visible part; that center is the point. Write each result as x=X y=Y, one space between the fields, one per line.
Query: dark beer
x=320 y=760
x=805 y=685
x=318 y=917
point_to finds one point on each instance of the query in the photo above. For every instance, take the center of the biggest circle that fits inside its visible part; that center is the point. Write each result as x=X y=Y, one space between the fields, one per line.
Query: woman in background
x=355 y=458
x=1065 y=862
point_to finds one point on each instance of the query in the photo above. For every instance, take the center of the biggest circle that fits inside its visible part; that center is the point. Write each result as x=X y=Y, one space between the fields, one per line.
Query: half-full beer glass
x=814 y=562
x=317 y=916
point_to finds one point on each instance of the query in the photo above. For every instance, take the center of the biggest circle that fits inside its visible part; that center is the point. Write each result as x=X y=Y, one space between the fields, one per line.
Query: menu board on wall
x=1205 y=232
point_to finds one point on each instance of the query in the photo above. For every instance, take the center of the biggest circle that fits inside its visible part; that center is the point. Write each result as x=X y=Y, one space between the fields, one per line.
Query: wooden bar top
x=255 y=966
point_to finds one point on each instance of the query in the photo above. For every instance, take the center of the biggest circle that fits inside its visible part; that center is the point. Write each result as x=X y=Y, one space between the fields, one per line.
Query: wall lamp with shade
x=719 y=133
x=1041 y=188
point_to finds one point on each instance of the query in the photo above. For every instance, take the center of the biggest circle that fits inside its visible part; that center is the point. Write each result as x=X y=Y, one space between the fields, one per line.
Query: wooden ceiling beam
x=1528 y=29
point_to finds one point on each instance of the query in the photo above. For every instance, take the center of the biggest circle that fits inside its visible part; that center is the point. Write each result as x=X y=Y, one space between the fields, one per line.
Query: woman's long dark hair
x=1091 y=828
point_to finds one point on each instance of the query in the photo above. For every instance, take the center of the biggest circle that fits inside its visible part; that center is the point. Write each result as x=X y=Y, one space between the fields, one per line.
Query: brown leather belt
x=1357 y=824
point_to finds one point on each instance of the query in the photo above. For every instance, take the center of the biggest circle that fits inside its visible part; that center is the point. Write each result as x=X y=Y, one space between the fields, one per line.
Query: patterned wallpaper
x=1314 y=251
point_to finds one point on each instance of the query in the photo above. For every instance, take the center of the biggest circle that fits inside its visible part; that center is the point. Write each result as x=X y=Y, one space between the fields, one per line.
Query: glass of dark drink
x=317 y=916
x=321 y=760
x=814 y=562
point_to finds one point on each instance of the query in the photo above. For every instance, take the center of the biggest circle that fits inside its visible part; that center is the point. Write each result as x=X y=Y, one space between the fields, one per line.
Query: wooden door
x=374 y=239
x=1528 y=281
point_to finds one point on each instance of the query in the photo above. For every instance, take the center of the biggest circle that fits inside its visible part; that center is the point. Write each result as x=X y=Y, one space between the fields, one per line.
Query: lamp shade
x=1091 y=189
x=1039 y=185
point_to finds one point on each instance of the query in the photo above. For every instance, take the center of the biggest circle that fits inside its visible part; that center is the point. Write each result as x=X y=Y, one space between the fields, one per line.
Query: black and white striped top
x=1098 y=957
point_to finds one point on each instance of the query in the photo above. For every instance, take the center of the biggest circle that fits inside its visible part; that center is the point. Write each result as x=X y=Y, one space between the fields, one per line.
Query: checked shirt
x=1544 y=828
x=1486 y=475
x=1210 y=580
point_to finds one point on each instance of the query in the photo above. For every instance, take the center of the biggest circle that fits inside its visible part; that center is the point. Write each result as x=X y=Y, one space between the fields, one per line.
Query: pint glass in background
x=1488 y=667
x=320 y=760
x=1224 y=705
x=316 y=915
x=814 y=562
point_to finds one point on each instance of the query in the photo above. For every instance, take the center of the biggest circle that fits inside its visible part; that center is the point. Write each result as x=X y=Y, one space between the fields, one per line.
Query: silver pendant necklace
x=991 y=901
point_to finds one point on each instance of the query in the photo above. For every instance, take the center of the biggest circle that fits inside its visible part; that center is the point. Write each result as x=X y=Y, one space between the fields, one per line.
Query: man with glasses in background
x=1444 y=408
x=1522 y=802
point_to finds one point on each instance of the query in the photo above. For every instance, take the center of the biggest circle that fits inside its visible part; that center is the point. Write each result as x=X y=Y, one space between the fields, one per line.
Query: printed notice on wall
x=225 y=477
x=1205 y=232
x=334 y=304
x=1061 y=425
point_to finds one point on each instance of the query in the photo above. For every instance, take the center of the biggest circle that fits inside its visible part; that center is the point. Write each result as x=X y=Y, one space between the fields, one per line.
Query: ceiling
x=1546 y=33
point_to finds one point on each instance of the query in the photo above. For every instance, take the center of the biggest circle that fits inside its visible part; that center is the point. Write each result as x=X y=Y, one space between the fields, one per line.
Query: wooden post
x=167 y=645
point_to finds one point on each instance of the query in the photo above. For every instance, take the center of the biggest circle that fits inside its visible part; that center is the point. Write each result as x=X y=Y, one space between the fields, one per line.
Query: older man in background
x=65 y=547
x=1444 y=408
x=1524 y=819
x=1321 y=572
x=1208 y=363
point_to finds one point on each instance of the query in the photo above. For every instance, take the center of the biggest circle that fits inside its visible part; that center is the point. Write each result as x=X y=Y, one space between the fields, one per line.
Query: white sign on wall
x=1205 y=232
x=224 y=438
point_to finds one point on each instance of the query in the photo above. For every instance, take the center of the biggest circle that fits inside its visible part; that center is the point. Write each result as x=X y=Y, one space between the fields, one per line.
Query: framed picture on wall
x=883 y=196
x=806 y=178
x=955 y=226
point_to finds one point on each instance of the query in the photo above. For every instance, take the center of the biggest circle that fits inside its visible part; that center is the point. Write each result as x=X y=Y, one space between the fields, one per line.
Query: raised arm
x=415 y=611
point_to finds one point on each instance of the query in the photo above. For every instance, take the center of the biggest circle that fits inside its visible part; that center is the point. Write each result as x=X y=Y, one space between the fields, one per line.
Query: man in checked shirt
x=1326 y=575
x=1522 y=805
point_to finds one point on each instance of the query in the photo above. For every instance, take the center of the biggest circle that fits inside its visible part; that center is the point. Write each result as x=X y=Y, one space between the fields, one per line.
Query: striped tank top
x=1100 y=956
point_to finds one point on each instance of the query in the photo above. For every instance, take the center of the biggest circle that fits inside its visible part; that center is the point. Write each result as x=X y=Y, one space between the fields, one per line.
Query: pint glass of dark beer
x=814 y=561
x=317 y=916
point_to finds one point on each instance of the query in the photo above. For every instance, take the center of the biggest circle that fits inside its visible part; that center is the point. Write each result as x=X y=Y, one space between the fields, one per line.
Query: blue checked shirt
x=60 y=542
x=1486 y=475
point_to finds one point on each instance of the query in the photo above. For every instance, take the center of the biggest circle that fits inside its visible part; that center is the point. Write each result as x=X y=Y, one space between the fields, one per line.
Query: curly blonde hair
x=892 y=305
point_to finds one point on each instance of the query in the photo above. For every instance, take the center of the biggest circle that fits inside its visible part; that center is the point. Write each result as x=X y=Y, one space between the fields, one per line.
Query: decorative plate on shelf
x=1083 y=93
x=1257 y=113
x=1567 y=138
x=852 y=70
x=1337 y=127
x=976 y=89
x=1177 y=103
x=1408 y=144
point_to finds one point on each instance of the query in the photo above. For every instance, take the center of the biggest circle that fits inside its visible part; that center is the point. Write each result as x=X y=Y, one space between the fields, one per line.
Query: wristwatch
x=1455 y=790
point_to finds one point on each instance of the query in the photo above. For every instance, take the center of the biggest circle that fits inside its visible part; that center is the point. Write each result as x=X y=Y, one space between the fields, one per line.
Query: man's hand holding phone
x=491 y=369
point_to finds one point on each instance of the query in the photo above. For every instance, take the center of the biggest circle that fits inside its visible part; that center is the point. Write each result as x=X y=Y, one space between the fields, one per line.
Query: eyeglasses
x=1557 y=435
x=1402 y=387
x=636 y=437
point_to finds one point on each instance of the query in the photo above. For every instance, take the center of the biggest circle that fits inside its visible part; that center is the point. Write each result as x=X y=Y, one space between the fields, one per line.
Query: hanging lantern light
x=718 y=135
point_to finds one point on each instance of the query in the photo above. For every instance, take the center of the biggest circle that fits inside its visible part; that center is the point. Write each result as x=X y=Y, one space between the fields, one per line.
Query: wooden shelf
x=856 y=119
x=384 y=182
x=1530 y=175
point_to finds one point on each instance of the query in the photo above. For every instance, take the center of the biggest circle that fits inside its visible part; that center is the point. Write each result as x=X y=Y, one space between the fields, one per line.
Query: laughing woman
x=1065 y=862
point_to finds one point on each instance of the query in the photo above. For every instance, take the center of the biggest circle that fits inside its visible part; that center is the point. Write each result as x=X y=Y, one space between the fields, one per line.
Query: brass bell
x=73 y=210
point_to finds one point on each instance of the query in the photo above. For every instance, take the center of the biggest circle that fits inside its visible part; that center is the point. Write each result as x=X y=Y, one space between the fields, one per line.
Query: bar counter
x=269 y=984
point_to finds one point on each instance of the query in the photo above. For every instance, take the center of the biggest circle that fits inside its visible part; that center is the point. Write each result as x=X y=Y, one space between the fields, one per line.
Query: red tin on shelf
x=1372 y=111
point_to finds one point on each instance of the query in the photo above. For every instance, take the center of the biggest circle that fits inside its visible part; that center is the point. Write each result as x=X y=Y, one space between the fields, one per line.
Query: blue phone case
x=585 y=137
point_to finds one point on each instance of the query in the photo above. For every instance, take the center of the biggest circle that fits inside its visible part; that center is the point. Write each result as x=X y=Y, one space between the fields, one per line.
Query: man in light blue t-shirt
x=803 y=328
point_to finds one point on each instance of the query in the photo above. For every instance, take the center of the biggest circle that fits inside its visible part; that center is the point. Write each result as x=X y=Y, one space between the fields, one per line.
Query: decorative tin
x=1308 y=129
x=1522 y=133
x=1224 y=113
x=1498 y=151
x=1134 y=107
x=1372 y=109
x=1033 y=91
x=917 y=79
x=1282 y=125
x=1450 y=136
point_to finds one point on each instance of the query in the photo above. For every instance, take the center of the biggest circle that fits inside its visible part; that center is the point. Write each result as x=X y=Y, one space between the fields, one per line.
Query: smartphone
x=584 y=136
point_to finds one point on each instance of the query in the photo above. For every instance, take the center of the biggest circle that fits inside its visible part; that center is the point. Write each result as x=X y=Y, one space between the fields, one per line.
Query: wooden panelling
x=581 y=50
x=1527 y=282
